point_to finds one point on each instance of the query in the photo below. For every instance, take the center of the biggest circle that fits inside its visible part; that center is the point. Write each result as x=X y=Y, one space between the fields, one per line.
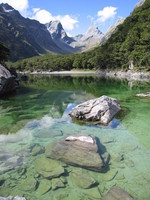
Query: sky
x=76 y=16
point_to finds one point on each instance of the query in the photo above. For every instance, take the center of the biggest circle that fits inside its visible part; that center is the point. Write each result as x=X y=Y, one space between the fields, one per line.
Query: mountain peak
x=93 y=30
x=6 y=7
x=56 y=30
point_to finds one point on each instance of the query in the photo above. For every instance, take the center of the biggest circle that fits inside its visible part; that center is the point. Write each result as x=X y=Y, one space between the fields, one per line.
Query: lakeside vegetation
x=130 y=43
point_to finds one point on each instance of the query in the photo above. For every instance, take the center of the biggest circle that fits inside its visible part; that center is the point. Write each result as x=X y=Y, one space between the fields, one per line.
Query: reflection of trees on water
x=50 y=95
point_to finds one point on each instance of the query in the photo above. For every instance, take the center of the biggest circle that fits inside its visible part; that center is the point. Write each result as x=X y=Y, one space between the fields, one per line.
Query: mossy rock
x=48 y=168
x=37 y=150
x=29 y=184
x=44 y=187
x=116 y=193
x=93 y=193
x=82 y=180
x=57 y=183
x=5 y=191
x=79 y=154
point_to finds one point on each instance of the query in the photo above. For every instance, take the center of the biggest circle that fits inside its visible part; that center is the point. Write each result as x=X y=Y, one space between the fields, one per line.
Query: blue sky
x=76 y=16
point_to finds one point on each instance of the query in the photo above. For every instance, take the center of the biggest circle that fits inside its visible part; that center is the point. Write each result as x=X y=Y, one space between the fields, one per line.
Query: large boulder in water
x=8 y=82
x=80 y=151
x=102 y=109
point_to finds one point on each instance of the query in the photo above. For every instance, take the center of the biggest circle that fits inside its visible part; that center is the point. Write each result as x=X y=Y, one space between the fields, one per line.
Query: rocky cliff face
x=57 y=31
x=60 y=37
x=91 y=38
x=112 y=30
x=140 y=3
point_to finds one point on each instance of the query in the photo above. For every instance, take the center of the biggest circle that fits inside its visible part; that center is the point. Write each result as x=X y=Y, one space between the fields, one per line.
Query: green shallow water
x=38 y=115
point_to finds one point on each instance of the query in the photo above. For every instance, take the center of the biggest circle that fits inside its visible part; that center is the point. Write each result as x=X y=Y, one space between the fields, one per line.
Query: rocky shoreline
x=129 y=75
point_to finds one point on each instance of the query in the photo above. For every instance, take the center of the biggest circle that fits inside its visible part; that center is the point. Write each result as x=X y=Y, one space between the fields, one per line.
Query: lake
x=37 y=116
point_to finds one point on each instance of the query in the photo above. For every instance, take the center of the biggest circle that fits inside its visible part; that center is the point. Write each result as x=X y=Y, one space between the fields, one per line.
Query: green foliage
x=4 y=52
x=131 y=42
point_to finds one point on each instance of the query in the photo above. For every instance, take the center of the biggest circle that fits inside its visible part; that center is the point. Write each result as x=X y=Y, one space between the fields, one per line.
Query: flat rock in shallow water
x=102 y=109
x=44 y=187
x=116 y=193
x=57 y=183
x=144 y=95
x=29 y=184
x=12 y=198
x=48 y=168
x=78 y=153
x=82 y=180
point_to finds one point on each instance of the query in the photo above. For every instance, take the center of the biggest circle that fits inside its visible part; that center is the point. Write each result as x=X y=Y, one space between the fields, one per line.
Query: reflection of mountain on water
x=19 y=110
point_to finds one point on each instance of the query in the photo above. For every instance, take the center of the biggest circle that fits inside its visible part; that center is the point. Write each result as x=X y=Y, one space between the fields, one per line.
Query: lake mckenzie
x=37 y=117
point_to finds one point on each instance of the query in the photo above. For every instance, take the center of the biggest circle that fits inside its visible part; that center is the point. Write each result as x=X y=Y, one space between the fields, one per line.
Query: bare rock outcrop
x=8 y=81
x=80 y=151
x=102 y=109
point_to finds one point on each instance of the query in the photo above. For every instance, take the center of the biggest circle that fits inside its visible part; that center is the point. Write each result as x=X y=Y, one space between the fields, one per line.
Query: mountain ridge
x=27 y=37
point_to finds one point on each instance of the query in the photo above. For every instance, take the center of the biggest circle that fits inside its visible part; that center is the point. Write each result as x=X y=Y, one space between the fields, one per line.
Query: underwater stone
x=63 y=179
x=2 y=180
x=29 y=184
x=102 y=109
x=57 y=183
x=12 y=198
x=93 y=193
x=110 y=175
x=78 y=153
x=44 y=187
x=48 y=133
x=117 y=193
x=48 y=168
x=82 y=180
x=37 y=150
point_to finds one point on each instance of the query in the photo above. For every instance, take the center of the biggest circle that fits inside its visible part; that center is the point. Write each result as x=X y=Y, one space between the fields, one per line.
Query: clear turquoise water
x=38 y=115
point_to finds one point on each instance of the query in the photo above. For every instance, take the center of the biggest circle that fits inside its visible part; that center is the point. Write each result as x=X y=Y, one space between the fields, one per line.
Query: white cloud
x=35 y=10
x=20 y=5
x=69 y=34
x=91 y=18
x=107 y=13
x=67 y=21
x=43 y=16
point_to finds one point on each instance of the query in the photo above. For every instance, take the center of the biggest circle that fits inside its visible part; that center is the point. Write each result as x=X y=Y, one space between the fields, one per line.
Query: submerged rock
x=37 y=150
x=57 y=183
x=29 y=184
x=48 y=168
x=92 y=193
x=116 y=193
x=8 y=81
x=44 y=187
x=12 y=198
x=82 y=180
x=77 y=152
x=102 y=109
x=144 y=95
